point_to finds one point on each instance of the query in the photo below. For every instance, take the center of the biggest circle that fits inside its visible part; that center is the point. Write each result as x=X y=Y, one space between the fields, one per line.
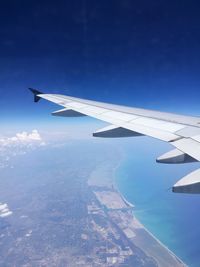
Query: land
x=131 y=243
x=67 y=212
x=136 y=238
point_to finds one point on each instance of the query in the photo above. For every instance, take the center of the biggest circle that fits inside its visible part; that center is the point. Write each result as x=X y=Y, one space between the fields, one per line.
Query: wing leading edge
x=183 y=132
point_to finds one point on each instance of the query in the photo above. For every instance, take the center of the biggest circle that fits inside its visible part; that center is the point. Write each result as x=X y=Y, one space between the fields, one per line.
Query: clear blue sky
x=139 y=53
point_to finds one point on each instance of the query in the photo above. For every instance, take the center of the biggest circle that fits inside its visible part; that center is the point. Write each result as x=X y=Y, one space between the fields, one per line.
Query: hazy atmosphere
x=67 y=198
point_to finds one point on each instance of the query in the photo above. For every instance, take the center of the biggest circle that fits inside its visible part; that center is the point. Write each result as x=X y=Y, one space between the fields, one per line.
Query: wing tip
x=36 y=94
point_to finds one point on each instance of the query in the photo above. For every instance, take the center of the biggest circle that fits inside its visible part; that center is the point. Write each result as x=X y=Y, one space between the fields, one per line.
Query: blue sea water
x=173 y=218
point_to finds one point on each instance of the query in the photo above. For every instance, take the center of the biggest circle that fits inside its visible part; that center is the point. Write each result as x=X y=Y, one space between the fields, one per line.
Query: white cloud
x=29 y=233
x=23 y=137
x=4 y=210
x=6 y=214
x=3 y=206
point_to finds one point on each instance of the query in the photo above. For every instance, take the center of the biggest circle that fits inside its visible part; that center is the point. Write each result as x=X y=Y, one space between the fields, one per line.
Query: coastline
x=144 y=227
x=156 y=249
x=132 y=205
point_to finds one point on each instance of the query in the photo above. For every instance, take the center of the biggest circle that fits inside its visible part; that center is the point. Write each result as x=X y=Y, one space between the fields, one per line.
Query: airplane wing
x=182 y=132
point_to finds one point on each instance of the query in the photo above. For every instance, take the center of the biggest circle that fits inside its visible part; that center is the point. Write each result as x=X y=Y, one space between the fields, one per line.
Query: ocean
x=173 y=218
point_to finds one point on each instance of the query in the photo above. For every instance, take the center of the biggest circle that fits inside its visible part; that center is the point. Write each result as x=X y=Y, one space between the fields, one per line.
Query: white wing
x=183 y=132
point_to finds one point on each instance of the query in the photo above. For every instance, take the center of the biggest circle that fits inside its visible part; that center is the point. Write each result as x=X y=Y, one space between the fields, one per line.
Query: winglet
x=36 y=93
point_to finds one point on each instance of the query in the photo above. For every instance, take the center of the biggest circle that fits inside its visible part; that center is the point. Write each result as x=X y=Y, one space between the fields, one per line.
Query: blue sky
x=137 y=53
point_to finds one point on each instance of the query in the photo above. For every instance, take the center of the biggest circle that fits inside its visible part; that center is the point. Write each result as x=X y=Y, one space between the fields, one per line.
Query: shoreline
x=144 y=227
x=115 y=186
x=119 y=211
